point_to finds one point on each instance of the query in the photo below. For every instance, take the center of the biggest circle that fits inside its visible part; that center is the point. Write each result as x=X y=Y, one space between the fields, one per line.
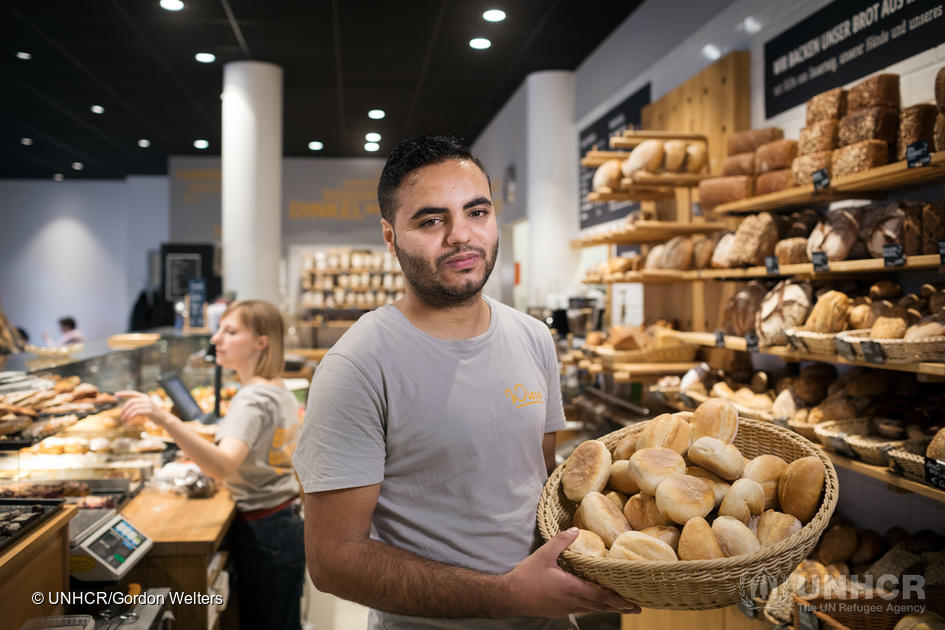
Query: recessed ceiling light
x=77 y=166
x=26 y=141
x=315 y=145
x=371 y=146
x=752 y=25
x=201 y=144
x=711 y=51
x=144 y=143
x=97 y=109
x=58 y=177
x=172 y=5
x=205 y=57
x=479 y=43
x=494 y=15
x=376 y=114
x=372 y=137
x=25 y=56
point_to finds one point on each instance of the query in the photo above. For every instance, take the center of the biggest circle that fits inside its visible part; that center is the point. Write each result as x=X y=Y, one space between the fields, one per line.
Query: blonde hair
x=263 y=319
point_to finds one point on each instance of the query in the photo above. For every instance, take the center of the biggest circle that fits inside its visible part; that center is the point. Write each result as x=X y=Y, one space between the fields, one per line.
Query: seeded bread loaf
x=775 y=155
x=716 y=190
x=872 y=123
x=939 y=132
x=739 y=164
x=940 y=89
x=819 y=136
x=827 y=105
x=755 y=239
x=748 y=141
x=804 y=166
x=881 y=90
x=916 y=124
x=774 y=181
x=858 y=157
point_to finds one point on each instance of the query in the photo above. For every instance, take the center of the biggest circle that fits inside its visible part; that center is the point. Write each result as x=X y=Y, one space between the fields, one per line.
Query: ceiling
x=341 y=58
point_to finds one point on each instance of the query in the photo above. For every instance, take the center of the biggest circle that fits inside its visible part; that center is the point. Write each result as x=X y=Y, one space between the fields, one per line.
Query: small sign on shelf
x=935 y=473
x=820 y=260
x=821 y=179
x=845 y=349
x=771 y=265
x=751 y=341
x=893 y=255
x=872 y=352
x=917 y=154
x=719 y=339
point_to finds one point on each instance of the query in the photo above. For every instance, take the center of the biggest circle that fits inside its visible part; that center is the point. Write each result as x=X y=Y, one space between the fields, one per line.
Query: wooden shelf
x=875 y=182
x=595 y=158
x=647 y=194
x=630 y=139
x=646 y=232
x=653 y=369
x=885 y=475
x=679 y=180
x=708 y=340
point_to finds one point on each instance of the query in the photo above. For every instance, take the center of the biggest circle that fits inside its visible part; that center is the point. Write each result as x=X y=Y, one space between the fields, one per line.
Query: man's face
x=446 y=237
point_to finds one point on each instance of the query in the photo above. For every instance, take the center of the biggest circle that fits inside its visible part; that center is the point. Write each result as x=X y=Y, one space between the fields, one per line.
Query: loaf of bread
x=775 y=155
x=933 y=226
x=621 y=479
x=858 y=157
x=829 y=314
x=774 y=181
x=744 y=500
x=812 y=382
x=940 y=89
x=721 y=255
x=702 y=248
x=785 y=306
x=766 y=470
x=601 y=516
x=891 y=325
x=696 y=157
x=836 y=233
x=819 y=136
x=717 y=190
x=865 y=315
x=916 y=124
x=718 y=486
x=831 y=104
x=589 y=544
x=667 y=533
x=742 y=307
x=639 y=547
x=652 y=466
x=785 y=404
x=800 y=487
x=718 y=457
x=716 y=419
x=748 y=141
x=931 y=326
x=801 y=223
x=870 y=546
x=804 y=166
x=912 y=228
x=646 y=156
x=739 y=164
x=882 y=225
x=838 y=544
x=873 y=123
x=683 y=497
x=791 y=251
x=607 y=177
x=773 y=527
x=665 y=431
x=936 y=448
x=939 y=132
x=587 y=470
x=734 y=536
x=755 y=239
x=677 y=253
x=881 y=90
x=618 y=498
x=654 y=257
x=674 y=155
x=697 y=541
x=642 y=512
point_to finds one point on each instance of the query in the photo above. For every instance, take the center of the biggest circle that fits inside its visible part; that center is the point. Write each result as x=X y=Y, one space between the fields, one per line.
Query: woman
x=253 y=460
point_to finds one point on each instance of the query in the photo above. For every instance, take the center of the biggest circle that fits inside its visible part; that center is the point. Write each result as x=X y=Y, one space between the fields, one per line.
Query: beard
x=423 y=277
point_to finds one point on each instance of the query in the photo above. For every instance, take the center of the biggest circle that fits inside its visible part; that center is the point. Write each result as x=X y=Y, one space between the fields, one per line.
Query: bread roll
x=725 y=460
x=695 y=157
x=589 y=544
x=651 y=466
x=665 y=431
x=578 y=519
x=884 y=290
x=621 y=479
x=767 y=470
x=654 y=258
x=697 y=541
x=829 y=315
x=865 y=315
x=587 y=470
x=607 y=177
x=812 y=382
x=640 y=547
x=734 y=536
x=936 y=448
x=720 y=255
x=677 y=254
x=785 y=405
x=674 y=155
x=646 y=156
x=837 y=544
x=717 y=419
x=744 y=500
x=870 y=546
x=642 y=512
x=931 y=326
x=602 y=517
x=666 y=533
x=716 y=484
x=702 y=249
x=619 y=499
x=800 y=487
x=625 y=447
x=773 y=527
x=683 y=497
x=891 y=324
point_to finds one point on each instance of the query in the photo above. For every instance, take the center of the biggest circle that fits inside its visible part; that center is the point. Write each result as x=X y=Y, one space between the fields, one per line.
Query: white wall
x=77 y=248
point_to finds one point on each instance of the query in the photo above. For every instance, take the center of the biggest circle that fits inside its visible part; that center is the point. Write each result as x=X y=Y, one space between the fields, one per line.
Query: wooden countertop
x=19 y=554
x=178 y=525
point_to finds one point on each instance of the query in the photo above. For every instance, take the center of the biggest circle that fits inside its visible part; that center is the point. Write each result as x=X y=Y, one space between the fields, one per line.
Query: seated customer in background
x=70 y=333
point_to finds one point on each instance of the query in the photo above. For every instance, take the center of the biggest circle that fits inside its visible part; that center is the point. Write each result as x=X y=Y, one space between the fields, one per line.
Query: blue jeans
x=270 y=570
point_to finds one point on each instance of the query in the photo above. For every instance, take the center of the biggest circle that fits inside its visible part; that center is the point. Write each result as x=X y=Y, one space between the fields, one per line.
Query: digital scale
x=106 y=551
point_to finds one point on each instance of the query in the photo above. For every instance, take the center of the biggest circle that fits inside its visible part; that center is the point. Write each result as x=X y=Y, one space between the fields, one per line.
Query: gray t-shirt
x=266 y=417
x=452 y=429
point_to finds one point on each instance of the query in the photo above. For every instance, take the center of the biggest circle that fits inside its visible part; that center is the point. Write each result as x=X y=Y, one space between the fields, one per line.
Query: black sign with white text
x=844 y=41
x=917 y=154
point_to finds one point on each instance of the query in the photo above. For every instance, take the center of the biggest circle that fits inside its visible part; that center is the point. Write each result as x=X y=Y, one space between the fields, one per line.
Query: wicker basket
x=661 y=354
x=884 y=611
x=698 y=584
x=743 y=411
x=813 y=342
x=909 y=459
x=872 y=449
x=802 y=428
x=898 y=350
x=833 y=433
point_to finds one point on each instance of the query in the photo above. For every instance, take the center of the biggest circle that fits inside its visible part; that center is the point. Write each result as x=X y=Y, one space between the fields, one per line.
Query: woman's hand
x=138 y=405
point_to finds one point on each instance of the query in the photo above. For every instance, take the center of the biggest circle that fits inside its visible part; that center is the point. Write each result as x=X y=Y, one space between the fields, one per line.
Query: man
x=430 y=427
x=70 y=334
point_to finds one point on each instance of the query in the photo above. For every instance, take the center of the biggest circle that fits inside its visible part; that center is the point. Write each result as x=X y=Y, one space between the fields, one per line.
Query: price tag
x=872 y=351
x=821 y=179
x=820 y=261
x=751 y=342
x=845 y=349
x=917 y=154
x=893 y=256
x=839 y=445
x=696 y=209
x=935 y=473
x=771 y=264
x=941 y=252
x=806 y=620
x=719 y=339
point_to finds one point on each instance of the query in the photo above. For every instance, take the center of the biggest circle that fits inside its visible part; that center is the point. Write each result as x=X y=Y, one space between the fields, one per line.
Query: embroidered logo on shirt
x=521 y=397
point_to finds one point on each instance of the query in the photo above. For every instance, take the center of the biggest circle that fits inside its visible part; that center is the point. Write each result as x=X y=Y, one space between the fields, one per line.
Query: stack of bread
x=761 y=153
x=631 y=337
x=651 y=156
x=939 y=130
x=681 y=490
x=612 y=266
x=681 y=253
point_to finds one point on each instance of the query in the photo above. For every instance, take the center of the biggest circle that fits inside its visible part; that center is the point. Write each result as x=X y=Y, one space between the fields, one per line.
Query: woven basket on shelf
x=897 y=350
x=802 y=428
x=743 y=411
x=698 y=584
x=909 y=459
x=872 y=449
x=830 y=432
x=813 y=342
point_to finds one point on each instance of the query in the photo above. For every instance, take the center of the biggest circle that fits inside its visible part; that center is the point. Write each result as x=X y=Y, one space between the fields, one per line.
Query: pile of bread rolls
x=651 y=156
x=631 y=337
x=681 y=490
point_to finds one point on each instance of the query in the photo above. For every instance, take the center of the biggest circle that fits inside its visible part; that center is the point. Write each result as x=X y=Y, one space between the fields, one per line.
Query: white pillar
x=551 y=204
x=252 y=179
